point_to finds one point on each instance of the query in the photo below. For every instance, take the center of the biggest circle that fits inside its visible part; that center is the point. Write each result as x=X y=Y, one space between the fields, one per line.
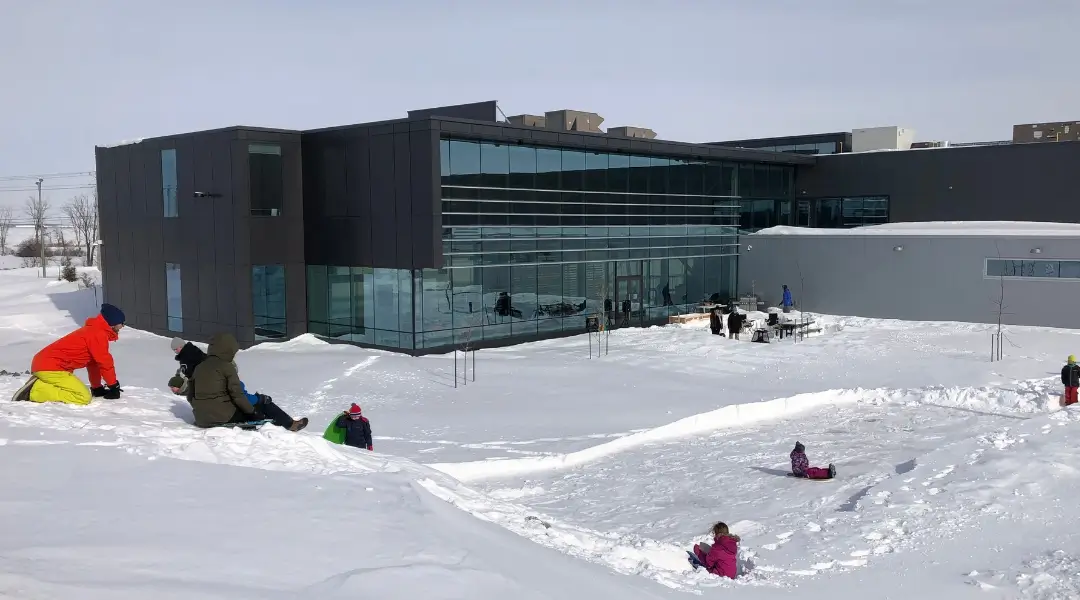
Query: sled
x=693 y=560
x=247 y=425
x=334 y=434
x=808 y=479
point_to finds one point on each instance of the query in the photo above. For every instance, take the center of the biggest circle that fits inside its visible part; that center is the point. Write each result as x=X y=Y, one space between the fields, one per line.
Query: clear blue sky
x=82 y=72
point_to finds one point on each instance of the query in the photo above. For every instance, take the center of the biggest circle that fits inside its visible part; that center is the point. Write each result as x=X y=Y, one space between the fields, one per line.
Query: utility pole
x=41 y=229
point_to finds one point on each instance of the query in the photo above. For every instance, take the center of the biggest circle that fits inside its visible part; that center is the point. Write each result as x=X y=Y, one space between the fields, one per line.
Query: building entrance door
x=628 y=300
x=802 y=218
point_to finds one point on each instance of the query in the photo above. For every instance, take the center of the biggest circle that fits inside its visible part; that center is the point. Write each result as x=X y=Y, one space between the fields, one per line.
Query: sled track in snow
x=1020 y=399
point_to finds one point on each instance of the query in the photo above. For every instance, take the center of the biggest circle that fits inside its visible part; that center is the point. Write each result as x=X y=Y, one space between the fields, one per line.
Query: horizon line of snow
x=734 y=415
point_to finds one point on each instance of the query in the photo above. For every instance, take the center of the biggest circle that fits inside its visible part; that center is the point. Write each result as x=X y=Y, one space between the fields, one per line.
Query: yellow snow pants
x=59 y=386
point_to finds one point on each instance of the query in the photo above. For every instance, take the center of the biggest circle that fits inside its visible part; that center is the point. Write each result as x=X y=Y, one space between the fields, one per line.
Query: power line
x=88 y=186
x=48 y=176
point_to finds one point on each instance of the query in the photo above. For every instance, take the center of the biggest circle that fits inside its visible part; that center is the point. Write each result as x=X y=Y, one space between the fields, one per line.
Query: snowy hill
x=552 y=475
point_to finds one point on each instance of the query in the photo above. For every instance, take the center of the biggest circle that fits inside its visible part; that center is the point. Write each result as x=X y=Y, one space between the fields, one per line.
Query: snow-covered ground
x=553 y=474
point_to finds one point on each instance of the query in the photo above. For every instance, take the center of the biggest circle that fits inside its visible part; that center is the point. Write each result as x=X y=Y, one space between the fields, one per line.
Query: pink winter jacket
x=721 y=557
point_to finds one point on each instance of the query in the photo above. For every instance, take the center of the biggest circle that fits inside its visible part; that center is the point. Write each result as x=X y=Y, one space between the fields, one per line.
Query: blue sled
x=247 y=425
x=693 y=560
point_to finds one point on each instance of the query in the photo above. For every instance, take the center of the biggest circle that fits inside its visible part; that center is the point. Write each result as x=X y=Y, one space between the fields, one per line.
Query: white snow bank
x=1029 y=397
x=99 y=524
x=728 y=416
x=947 y=228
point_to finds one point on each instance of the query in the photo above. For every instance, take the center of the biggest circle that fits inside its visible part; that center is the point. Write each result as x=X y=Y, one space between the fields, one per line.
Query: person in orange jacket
x=87 y=348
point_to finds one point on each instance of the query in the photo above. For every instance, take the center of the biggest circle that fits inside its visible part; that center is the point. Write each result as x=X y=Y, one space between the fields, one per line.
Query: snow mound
x=1026 y=397
x=930 y=228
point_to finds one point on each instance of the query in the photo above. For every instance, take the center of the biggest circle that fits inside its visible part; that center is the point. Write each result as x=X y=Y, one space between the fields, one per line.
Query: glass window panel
x=522 y=167
x=714 y=179
x=548 y=168
x=174 y=298
x=268 y=301
x=464 y=163
x=317 y=300
x=695 y=178
x=444 y=157
x=828 y=213
x=266 y=180
x=596 y=167
x=340 y=297
x=361 y=318
x=499 y=309
x=639 y=174
x=658 y=175
x=550 y=307
x=573 y=170
x=1069 y=269
x=494 y=164
x=729 y=183
x=405 y=308
x=168 y=183
x=618 y=173
x=1043 y=268
x=386 y=301
x=524 y=299
x=438 y=300
x=466 y=297
x=676 y=177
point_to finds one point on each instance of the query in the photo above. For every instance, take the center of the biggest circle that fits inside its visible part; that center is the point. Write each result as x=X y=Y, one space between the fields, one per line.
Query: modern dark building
x=450 y=227
x=422 y=233
x=818 y=143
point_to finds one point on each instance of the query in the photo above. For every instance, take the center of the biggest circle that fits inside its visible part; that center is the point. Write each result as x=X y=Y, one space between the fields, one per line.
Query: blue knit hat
x=113 y=316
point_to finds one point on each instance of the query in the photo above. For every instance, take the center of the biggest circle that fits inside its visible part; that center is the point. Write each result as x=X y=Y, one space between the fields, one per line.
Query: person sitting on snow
x=357 y=428
x=219 y=397
x=719 y=558
x=800 y=465
x=1070 y=378
x=52 y=370
x=189 y=356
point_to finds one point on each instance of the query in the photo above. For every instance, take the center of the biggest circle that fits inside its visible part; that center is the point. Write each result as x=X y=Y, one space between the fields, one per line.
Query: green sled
x=334 y=433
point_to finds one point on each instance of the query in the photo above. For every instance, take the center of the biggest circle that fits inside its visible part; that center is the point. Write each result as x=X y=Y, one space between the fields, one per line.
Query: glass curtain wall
x=535 y=239
x=361 y=304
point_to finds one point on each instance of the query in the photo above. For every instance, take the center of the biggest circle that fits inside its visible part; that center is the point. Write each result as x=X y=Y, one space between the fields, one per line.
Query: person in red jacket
x=720 y=557
x=53 y=378
x=357 y=428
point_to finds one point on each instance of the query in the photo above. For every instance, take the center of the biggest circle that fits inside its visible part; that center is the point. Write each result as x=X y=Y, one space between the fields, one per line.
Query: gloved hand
x=370 y=449
x=98 y=391
x=255 y=416
x=112 y=392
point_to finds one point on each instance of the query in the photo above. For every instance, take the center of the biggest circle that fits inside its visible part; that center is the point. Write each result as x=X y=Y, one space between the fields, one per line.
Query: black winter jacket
x=189 y=357
x=1070 y=376
x=357 y=431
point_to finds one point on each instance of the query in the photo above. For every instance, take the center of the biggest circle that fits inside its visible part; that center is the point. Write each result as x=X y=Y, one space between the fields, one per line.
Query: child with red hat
x=357 y=428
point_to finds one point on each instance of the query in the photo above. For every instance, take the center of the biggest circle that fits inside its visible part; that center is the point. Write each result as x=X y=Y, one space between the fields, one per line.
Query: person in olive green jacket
x=219 y=397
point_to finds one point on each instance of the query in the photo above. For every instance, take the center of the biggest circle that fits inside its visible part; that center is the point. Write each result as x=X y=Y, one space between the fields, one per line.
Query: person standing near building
x=1070 y=378
x=787 y=303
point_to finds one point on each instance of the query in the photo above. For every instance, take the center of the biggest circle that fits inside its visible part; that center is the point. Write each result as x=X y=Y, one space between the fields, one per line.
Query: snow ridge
x=1027 y=397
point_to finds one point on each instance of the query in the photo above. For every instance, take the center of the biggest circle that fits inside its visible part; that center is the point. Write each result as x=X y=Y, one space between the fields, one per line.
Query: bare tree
x=6 y=218
x=36 y=209
x=81 y=212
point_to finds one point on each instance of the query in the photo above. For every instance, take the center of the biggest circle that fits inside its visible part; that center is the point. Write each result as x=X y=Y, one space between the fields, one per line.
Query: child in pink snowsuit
x=719 y=558
x=800 y=465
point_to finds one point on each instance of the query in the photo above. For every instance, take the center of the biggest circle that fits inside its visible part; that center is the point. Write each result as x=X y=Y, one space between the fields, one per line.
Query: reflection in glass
x=268 y=301
x=174 y=298
x=168 y=182
x=266 y=179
